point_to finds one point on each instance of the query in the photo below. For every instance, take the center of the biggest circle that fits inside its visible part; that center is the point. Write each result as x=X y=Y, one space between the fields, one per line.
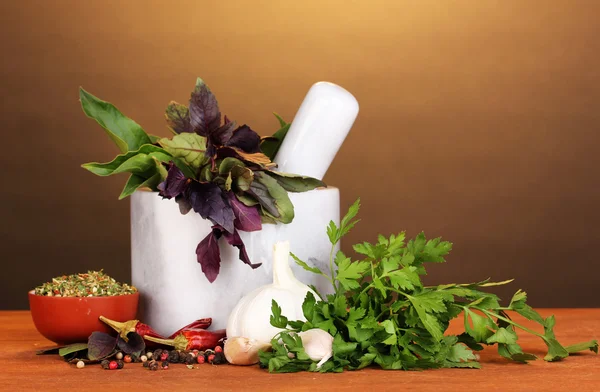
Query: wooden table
x=23 y=370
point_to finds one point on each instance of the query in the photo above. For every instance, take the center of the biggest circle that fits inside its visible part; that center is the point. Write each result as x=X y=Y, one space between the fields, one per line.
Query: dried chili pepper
x=192 y=339
x=131 y=326
x=198 y=324
x=144 y=330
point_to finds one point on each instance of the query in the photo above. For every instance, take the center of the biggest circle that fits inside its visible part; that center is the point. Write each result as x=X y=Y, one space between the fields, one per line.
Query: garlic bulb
x=318 y=345
x=251 y=316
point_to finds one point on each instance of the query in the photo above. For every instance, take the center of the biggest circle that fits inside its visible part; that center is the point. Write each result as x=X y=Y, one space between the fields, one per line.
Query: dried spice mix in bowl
x=67 y=309
x=90 y=284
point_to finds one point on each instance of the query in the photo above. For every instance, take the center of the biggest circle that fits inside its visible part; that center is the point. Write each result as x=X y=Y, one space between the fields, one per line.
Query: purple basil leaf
x=245 y=139
x=246 y=218
x=235 y=240
x=100 y=345
x=209 y=256
x=184 y=204
x=204 y=110
x=208 y=200
x=135 y=344
x=221 y=136
x=175 y=183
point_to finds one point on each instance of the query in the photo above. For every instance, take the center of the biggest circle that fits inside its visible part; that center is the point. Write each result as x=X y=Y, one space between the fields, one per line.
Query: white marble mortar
x=174 y=291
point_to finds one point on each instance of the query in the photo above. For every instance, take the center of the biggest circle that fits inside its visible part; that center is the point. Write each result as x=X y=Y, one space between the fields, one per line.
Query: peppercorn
x=144 y=358
x=149 y=355
x=120 y=364
x=200 y=359
x=127 y=359
x=173 y=356
x=183 y=356
x=105 y=364
x=80 y=365
x=119 y=355
x=146 y=364
x=190 y=359
x=164 y=356
x=219 y=358
x=113 y=365
x=156 y=354
x=165 y=365
x=211 y=358
x=153 y=365
x=218 y=349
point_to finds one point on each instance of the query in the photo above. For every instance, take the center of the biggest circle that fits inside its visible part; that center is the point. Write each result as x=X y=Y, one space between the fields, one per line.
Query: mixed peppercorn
x=162 y=359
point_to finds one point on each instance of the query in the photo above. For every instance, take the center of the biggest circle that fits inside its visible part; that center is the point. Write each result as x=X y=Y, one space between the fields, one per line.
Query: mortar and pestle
x=174 y=291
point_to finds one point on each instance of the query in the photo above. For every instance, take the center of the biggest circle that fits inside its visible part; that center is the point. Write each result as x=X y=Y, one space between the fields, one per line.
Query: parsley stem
x=511 y=322
x=331 y=268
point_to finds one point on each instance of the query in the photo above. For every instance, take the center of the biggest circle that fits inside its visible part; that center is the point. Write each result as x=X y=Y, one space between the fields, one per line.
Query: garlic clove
x=318 y=344
x=243 y=351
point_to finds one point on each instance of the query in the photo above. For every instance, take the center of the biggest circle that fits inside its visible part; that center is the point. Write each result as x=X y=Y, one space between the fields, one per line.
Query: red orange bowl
x=66 y=320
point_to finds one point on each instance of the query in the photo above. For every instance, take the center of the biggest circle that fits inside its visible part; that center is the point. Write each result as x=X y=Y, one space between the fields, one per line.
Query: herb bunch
x=222 y=171
x=382 y=314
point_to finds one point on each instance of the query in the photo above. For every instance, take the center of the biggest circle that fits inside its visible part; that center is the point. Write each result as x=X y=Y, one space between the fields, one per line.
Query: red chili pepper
x=192 y=339
x=198 y=324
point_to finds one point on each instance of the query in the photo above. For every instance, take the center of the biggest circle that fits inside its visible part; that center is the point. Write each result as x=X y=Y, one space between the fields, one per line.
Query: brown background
x=479 y=122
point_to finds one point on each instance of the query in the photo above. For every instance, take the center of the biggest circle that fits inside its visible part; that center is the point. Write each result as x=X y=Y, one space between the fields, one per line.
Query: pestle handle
x=318 y=130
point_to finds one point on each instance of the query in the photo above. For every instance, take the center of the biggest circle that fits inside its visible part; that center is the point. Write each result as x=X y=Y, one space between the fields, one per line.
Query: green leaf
x=481 y=326
x=430 y=301
x=277 y=320
x=72 y=348
x=190 y=147
x=347 y=222
x=136 y=182
x=503 y=335
x=273 y=196
x=354 y=315
x=270 y=145
x=296 y=183
x=306 y=266
x=389 y=327
x=515 y=353
x=227 y=165
x=308 y=306
x=154 y=138
x=349 y=272
x=339 y=306
x=332 y=232
x=460 y=353
x=556 y=351
x=282 y=122
x=122 y=130
x=115 y=166
x=342 y=348
x=405 y=278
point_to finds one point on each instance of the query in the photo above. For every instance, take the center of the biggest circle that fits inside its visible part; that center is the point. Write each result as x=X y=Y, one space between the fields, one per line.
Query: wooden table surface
x=23 y=370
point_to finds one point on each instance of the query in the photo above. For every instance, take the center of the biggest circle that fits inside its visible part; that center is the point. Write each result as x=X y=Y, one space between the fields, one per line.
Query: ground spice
x=90 y=284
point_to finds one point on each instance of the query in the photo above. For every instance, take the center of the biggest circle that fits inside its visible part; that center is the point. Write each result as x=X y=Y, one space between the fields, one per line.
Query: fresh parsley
x=382 y=314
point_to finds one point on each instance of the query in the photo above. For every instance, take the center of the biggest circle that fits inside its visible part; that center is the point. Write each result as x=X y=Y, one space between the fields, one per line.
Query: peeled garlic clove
x=318 y=345
x=243 y=351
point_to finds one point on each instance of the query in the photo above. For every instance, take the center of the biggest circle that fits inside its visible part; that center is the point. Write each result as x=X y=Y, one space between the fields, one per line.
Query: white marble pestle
x=317 y=131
